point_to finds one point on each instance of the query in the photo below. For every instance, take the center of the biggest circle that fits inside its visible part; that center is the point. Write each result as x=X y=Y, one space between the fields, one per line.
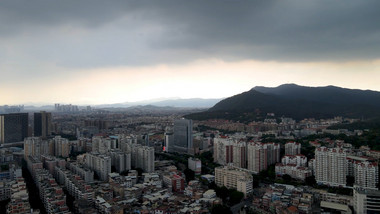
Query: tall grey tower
x=42 y=124
x=183 y=136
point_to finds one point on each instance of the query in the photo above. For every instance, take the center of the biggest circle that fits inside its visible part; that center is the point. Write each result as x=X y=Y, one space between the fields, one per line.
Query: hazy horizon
x=95 y=52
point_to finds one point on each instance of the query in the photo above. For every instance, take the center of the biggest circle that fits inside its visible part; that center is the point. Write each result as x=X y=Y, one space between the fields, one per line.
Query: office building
x=169 y=140
x=183 y=136
x=13 y=127
x=42 y=124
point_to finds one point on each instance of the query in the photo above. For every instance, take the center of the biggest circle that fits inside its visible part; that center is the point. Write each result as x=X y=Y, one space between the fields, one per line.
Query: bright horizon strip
x=211 y=78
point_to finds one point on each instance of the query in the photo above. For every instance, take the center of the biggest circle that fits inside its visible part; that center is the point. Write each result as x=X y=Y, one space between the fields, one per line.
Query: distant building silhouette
x=13 y=127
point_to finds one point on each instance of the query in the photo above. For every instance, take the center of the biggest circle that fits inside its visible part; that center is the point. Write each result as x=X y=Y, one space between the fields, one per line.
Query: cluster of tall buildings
x=15 y=127
x=254 y=156
x=65 y=108
x=333 y=165
x=57 y=146
x=122 y=153
x=293 y=163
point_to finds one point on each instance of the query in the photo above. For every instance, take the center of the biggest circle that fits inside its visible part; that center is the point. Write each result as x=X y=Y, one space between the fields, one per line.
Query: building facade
x=183 y=136
x=13 y=127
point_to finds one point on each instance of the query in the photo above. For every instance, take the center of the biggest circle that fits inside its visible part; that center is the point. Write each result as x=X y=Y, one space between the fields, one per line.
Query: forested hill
x=295 y=101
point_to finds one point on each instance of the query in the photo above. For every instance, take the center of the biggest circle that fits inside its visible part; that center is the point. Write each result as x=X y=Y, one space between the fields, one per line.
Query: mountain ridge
x=296 y=101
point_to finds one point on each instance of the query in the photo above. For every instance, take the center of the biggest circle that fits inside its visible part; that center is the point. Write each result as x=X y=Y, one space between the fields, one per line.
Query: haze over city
x=95 y=52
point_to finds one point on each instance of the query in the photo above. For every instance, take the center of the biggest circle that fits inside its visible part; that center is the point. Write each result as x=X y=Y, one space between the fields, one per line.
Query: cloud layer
x=100 y=33
x=44 y=41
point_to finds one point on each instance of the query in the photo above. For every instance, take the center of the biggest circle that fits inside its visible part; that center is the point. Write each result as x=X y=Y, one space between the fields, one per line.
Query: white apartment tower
x=101 y=164
x=366 y=174
x=292 y=148
x=147 y=158
x=61 y=146
x=273 y=151
x=223 y=150
x=239 y=156
x=257 y=157
x=331 y=166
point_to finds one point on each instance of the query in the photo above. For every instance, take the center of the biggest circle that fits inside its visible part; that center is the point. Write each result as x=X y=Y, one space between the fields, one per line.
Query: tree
x=287 y=178
x=310 y=181
x=212 y=185
x=235 y=197
x=255 y=183
x=124 y=173
x=219 y=209
x=350 y=180
x=139 y=171
x=189 y=174
x=222 y=193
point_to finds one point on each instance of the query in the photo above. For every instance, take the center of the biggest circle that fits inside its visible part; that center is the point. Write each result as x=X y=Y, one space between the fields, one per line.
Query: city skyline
x=101 y=53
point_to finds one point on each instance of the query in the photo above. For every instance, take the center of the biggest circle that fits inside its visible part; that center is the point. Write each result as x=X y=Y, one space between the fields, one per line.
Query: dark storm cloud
x=149 y=32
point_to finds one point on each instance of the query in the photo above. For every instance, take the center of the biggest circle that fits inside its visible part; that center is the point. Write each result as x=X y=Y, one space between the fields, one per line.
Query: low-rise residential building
x=233 y=178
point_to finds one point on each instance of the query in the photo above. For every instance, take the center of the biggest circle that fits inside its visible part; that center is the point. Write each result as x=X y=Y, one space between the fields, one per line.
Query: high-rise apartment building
x=366 y=175
x=273 y=152
x=42 y=124
x=223 y=150
x=183 y=136
x=240 y=154
x=331 y=166
x=120 y=160
x=13 y=127
x=101 y=164
x=257 y=157
x=298 y=160
x=103 y=145
x=146 y=156
x=32 y=147
x=62 y=147
x=292 y=148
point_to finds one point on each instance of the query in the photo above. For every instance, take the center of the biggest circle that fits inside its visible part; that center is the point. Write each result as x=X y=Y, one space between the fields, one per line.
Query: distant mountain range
x=163 y=102
x=295 y=101
x=179 y=103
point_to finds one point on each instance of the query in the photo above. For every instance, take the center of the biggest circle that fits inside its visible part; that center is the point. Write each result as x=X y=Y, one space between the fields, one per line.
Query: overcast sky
x=93 y=52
